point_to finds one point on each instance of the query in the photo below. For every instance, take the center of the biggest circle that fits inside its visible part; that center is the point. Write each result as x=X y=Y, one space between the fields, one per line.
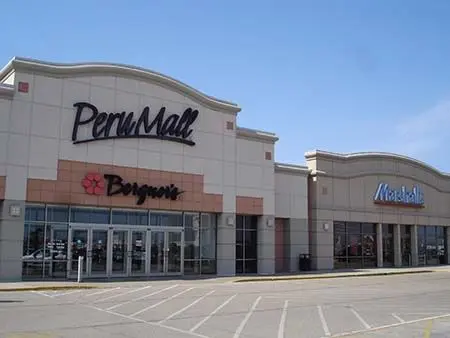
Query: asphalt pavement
x=381 y=306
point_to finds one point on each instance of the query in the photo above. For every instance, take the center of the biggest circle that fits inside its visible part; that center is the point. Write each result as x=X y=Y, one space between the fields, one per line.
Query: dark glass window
x=35 y=213
x=58 y=214
x=421 y=244
x=34 y=250
x=354 y=245
x=405 y=239
x=388 y=245
x=246 y=244
x=431 y=243
x=90 y=215
x=166 y=219
x=200 y=243
x=129 y=217
x=340 y=245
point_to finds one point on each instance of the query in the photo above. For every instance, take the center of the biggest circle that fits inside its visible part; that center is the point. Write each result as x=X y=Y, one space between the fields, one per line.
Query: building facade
x=377 y=210
x=142 y=175
x=139 y=174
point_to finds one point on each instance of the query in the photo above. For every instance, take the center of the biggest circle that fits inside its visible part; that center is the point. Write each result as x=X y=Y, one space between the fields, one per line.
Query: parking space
x=397 y=306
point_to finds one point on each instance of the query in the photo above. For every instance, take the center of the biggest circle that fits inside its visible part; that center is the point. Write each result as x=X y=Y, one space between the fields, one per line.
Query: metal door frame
x=146 y=233
x=87 y=261
x=166 y=231
x=127 y=230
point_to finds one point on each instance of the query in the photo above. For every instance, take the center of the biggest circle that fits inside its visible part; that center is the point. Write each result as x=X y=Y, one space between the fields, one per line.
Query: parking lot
x=385 y=306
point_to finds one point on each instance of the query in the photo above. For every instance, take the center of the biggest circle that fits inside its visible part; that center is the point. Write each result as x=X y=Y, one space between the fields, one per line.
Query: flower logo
x=93 y=184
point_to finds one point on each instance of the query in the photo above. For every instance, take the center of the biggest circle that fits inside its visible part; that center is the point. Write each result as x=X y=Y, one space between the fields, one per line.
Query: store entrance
x=124 y=251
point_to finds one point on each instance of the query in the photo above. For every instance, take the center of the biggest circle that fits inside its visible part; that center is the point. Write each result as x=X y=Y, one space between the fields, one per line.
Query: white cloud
x=421 y=134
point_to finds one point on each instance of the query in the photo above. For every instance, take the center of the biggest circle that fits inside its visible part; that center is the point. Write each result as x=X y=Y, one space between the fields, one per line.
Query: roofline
x=256 y=134
x=117 y=69
x=292 y=169
x=378 y=155
x=6 y=91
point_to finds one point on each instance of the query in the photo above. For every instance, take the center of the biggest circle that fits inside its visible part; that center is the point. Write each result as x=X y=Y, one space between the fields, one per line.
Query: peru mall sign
x=110 y=185
x=110 y=125
x=402 y=196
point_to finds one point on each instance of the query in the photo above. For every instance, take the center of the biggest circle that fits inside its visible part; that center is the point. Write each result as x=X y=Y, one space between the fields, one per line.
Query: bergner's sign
x=107 y=126
x=401 y=197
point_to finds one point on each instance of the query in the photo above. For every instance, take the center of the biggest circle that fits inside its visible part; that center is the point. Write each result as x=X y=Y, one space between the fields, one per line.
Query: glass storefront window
x=90 y=215
x=340 y=245
x=355 y=245
x=405 y=243
x=441 y=247
x=431 y=245
x=166 y=219
x=35 y=213
x=129 y=217
x=46 y=248
x=56 y=238
x=246 y=244
x=200 y=243
x=34 y=250
x=421 y=244
x=388 y=245
x=58 y=214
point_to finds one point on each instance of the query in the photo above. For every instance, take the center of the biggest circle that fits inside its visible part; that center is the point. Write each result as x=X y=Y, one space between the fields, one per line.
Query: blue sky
x=336 y=75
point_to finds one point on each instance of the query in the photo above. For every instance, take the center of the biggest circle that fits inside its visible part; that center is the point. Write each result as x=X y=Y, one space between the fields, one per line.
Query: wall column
x=414 y=248
x=266 y=245
x=226 y=245
x=379 y=245
x=298 y=241
x=397 y=246
x=11 y=240
x=447 y=244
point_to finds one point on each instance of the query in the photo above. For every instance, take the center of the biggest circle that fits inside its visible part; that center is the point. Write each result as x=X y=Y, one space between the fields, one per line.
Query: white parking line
x=323 y=321
x=143 y=297
x=122 y=294
x=398 y=318
x=204 y=320
x=238 y=332
x=283 y=320
x=378 y=328
x=66 y=293
x=42 y=294
x=159 y=303
x=148 y=323
x=186 y=307
x=102 y=291
x=361 y=319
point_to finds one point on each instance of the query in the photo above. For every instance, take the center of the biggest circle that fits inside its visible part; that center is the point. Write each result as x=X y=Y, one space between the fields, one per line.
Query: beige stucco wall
x=343 y=188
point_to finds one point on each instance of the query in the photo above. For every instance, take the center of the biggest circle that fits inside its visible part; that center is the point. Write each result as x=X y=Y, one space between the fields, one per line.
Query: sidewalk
x=108 y=283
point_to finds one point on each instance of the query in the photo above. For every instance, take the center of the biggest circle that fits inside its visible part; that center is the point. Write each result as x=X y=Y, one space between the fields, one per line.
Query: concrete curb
x=49 y=288
x=287 y=278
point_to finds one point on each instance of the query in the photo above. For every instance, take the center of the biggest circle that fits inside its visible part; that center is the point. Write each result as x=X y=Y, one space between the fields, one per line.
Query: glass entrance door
x=78 y=241
x=158 y=245
x=166 y=252
x=124 y=251
x=119 y=252
x=138 y=252
x=97 y=259
x=92 y=245
x=173 y=257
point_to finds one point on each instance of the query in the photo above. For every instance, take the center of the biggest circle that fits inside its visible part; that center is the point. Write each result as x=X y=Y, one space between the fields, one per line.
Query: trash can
x=304 y=263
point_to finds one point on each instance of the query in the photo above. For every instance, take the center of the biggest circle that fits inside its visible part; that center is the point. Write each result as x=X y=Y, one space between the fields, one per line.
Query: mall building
x=144 y=176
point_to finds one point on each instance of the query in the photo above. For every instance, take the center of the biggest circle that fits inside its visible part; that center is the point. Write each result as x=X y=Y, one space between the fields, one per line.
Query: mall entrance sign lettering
x=401 y=196
x=110 y=125
x=116 y=185
x=94 y=184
